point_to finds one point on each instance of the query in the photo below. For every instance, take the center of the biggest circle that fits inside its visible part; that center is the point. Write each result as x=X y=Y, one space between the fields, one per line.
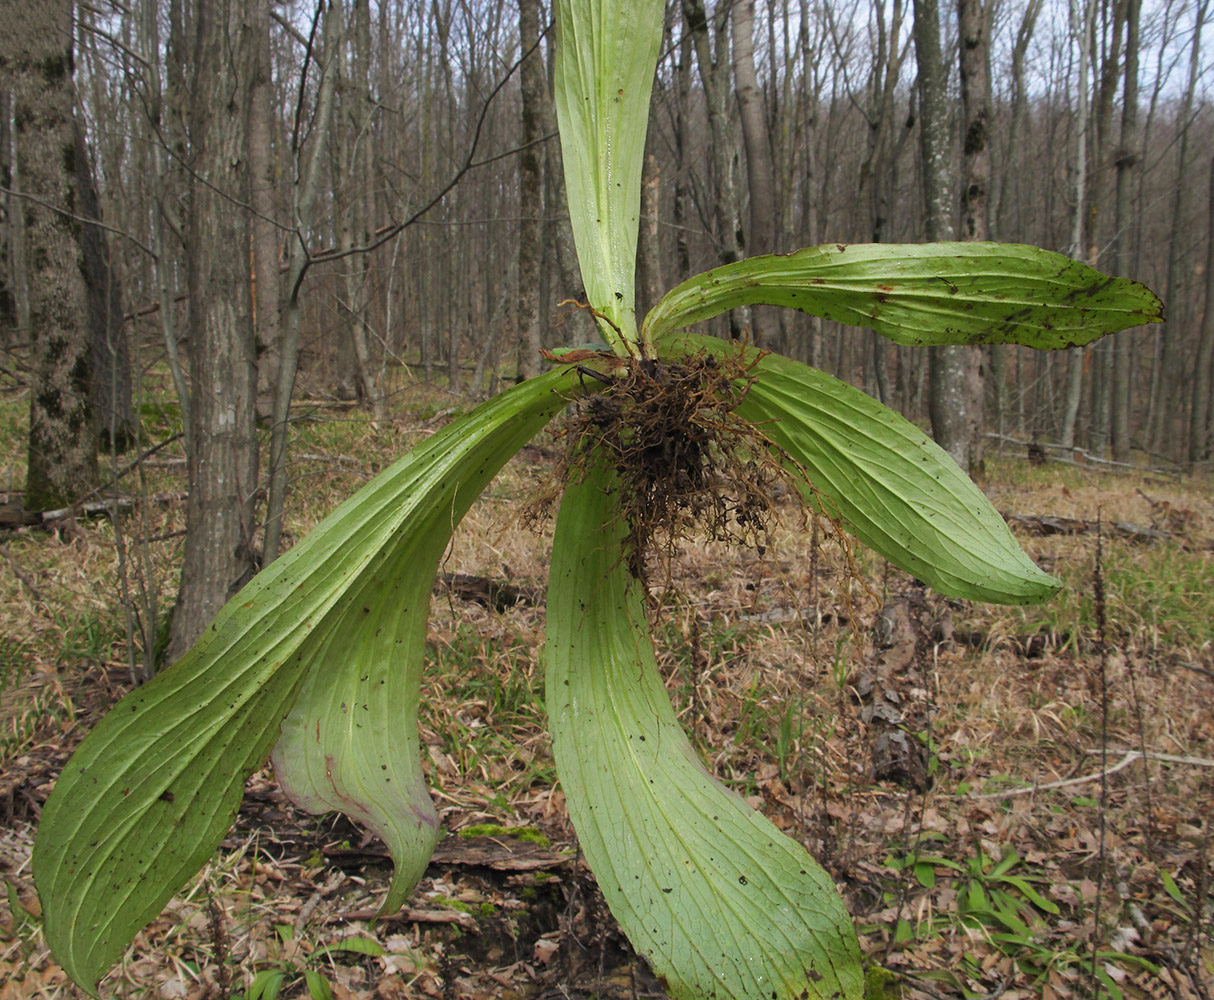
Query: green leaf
x=355 y=945
x=885 y=481
x=606 y=54
x=318 y=986
x=153 y=789
x=266 y=985
x=720 y=901
x=1031 y=894
x=923 y=294
x=1170 y=887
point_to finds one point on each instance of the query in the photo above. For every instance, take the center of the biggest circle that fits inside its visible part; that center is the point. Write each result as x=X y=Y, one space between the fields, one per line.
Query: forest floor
x=942 y=759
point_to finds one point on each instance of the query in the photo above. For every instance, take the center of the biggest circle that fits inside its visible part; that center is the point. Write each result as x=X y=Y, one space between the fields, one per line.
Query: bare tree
x=1129 y=164
x=712 y=57
x=1168 y=367
x=950 y=399
x=36 y=68
x=222 y=464
x=531 y=189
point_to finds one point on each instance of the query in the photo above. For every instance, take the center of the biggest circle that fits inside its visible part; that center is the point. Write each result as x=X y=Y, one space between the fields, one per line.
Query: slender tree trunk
x=1081 y=22
x=1203 y=376
x=36 y=67
x=112 y=402
x=650 y=284
x=267 y=280
x=973 y=23
x=713 y=61
x=304 y=191
x=531 y=191
x=760 y=177
x=949 y=396
x=222 y=466
x=1168 y=371
x=1128 y=166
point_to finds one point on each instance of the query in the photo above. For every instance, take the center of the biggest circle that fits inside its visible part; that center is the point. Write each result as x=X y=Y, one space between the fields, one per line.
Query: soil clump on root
x=687 y=465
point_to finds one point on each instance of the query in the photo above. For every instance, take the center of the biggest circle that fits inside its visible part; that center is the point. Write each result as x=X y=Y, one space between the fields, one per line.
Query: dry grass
x=778 y=668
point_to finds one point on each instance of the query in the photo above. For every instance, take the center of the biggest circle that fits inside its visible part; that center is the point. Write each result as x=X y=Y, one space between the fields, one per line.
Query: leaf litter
x=906 y=739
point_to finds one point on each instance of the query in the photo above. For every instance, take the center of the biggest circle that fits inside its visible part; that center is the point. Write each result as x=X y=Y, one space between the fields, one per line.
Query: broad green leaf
x=153 y=789
x=721 y=902
x=924 y=294
x=606 y=54
x=885 y=480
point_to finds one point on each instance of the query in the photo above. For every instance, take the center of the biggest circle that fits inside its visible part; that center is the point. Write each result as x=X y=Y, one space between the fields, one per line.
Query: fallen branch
x=1038 y=524
x=1128 y=759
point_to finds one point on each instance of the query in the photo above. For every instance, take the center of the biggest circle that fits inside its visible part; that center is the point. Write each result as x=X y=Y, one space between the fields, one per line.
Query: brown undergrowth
x=935 y=755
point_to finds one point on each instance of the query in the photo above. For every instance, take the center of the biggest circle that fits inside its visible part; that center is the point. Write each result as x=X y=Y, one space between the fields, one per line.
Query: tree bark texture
x=36 y=67
x=111 y=398
x=949 y=394
x=531 y=191
x=1129 y=164
x=222 y=464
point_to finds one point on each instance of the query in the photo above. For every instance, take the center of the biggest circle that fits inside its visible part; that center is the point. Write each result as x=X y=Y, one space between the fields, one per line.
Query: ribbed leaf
x=886 y=481
x=606 y=54
x=923 y=294
x=152 y=790
x=721 y=902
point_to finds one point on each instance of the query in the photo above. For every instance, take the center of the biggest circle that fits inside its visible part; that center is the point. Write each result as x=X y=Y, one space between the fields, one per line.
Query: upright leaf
x=721 y=902
x=887 y=482
x=606 y=55
x=152 y=790
x=923 y=294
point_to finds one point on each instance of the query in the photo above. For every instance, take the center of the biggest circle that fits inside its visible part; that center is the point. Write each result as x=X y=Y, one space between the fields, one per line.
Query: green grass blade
x=606 y=54
x=886 y=481
x=153 y=789
x=924 y=294
x=721 y=902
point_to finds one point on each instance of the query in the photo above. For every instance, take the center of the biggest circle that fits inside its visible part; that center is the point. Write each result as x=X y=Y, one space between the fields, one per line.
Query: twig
x=1126 y=761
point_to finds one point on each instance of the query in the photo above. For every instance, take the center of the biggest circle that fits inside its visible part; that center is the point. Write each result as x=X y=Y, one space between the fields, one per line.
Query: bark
x=222 y=465
x=304 y=191
x=36 y=67
x=1081 y=24
x=267 y=279
x=1129 y=164
x=1168 y=374
x=531 y=191
x=650 y=284
x=9 y=216
x=711 y=51
x=973 y=23
x=112 y=405
x=1203 y=381
x=948 y=393
x=760 y=178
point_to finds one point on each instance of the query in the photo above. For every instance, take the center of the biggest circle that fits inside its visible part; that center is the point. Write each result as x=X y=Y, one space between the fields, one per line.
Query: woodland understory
x=942 y=759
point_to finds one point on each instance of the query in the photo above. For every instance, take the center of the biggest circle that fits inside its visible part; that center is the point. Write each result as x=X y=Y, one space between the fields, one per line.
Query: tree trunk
x=222 y=465
x=112 y=401
x=1082 y=12
x=713 y=61
x=1128 y=166
x=531 y=191
x=303 y=192
x=650 y=284
x=267 y=280
x=948 y=399
x=1168 y=374
x=36 y=64
x=973 y=24
x=1203 y=377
